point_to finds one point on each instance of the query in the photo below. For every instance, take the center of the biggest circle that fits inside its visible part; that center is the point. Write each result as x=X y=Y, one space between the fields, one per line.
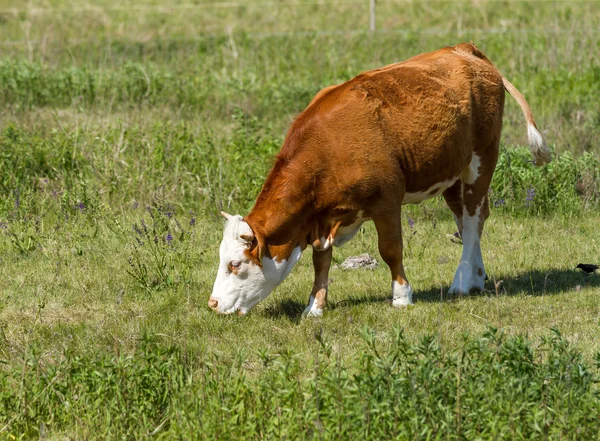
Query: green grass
x=123 y=126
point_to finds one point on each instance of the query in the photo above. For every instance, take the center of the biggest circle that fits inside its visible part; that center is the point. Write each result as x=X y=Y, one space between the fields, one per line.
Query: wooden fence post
x=372 y=16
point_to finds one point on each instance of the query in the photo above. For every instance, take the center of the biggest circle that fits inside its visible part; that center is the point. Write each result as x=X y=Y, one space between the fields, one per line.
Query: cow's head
x=245 y=276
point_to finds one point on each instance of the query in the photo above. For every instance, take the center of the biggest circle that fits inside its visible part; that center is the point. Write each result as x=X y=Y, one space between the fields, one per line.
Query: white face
x=240 y=283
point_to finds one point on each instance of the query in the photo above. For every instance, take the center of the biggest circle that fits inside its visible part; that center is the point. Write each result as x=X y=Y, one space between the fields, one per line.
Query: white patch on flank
x=312 y=310
x=471 y=255
x=419 y=196
x=401 y=294
x=344 y=234
x=537 y=146
x=471 y=174
x=240 y=292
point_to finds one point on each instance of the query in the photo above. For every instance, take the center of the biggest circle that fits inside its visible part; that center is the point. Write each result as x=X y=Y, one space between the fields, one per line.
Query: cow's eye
x=234 y=266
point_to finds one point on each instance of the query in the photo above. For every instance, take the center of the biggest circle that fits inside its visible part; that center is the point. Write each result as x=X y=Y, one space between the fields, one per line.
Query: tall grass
x=196 y=167
x=491 y=387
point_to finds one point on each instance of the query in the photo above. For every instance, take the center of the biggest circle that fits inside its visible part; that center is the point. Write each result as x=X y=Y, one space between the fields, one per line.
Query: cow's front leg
x=318 y=296
x=389 y=235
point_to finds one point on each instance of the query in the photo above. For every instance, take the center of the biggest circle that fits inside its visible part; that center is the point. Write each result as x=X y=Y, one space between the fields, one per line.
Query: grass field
x=127 y=126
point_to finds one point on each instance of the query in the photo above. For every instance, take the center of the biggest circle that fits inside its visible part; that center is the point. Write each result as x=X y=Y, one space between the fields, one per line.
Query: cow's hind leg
x=475 y=210
x=453 y=197
x=389 y=234
x=318 y=296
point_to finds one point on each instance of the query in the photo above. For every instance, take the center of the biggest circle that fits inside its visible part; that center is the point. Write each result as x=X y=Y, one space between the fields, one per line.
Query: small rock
x=362 y=261
x=443 y=260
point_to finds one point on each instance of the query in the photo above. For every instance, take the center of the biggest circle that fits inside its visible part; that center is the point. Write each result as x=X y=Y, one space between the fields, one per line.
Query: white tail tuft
x=537 y=146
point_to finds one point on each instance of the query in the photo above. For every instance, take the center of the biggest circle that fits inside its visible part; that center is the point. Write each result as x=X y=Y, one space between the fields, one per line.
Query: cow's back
x=421 y=118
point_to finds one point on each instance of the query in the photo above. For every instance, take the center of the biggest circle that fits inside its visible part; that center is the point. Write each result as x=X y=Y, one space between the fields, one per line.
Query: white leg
x=478 y=270
x=401 y=294
x=463 y=279
x=313 y=309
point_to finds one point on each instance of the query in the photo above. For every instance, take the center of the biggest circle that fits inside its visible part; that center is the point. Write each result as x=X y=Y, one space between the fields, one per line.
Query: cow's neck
x=280 y=215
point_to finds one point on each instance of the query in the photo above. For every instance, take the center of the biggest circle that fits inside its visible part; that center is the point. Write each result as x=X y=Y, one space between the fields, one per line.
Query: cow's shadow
x=534 y=283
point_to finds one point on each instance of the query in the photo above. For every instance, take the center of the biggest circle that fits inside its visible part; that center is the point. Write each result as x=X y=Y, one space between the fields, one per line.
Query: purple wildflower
x=144 y=227
x=17 y=200
x=137 y=230
x=80 y=206
x=500 y=203
x=169 y=210
x=193 y=219
x=530 y=196
x=135 y=205
x=169 y=238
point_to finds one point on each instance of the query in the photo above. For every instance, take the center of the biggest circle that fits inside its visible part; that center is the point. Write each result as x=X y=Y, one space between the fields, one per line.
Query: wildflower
x=169 y=238
x=17 y=200
x=411 y=225
x=169 y=210
x=135 y=205
x=500 y=203
x=80 y=206
x=144 y=227
x=530 y=196
x=193 y=219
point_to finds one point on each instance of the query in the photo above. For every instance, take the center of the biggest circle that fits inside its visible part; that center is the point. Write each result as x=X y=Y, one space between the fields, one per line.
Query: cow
x=396 y=135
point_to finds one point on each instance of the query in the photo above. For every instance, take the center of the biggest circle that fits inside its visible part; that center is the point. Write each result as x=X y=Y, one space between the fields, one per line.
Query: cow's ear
x=254 y=254
x=226 y=215
x=247 y=237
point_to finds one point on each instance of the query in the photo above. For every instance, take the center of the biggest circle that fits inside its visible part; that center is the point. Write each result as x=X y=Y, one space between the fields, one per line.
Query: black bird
x=588 y=267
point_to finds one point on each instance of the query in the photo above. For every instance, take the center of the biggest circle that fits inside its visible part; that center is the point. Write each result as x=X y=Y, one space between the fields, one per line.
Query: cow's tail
x=537 y=145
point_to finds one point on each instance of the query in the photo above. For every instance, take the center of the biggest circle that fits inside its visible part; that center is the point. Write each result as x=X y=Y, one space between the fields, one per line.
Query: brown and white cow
x=391 y=136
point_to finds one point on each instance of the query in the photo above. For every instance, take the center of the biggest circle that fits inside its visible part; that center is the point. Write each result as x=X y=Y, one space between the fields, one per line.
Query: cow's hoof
x=314 y=308
x=459 y=291
x=401 y=302
x=401 y=295
x=312 y=312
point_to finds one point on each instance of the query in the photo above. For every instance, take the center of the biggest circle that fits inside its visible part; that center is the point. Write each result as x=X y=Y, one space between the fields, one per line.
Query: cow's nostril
x=212 y=303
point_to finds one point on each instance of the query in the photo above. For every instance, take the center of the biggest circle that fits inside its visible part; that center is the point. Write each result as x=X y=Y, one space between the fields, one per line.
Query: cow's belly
x=433 y=191
x=344 y=234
